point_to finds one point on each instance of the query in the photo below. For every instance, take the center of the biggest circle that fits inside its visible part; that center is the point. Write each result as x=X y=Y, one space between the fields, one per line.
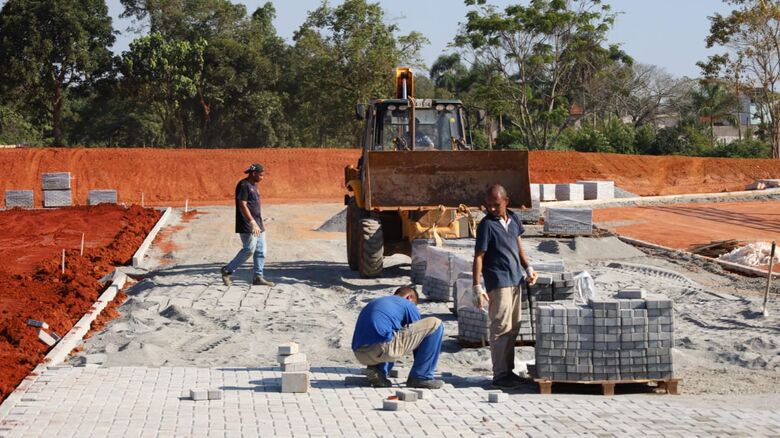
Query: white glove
x=530 y=275
x=256 y=229
x=480 y=296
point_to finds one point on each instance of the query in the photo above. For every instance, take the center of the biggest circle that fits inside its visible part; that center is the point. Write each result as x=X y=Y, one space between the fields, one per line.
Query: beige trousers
x=404 y=342
x=504 y=311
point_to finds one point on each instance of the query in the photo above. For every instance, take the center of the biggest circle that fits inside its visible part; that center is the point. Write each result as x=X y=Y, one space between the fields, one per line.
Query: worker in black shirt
x=249 y=226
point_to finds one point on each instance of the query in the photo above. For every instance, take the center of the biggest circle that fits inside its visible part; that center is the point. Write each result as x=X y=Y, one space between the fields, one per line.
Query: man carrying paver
x=499 y=258
x=249 y=226
x=389 y=328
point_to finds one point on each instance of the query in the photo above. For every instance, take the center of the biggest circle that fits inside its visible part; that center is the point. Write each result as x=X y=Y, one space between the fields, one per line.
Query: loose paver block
x=295 y=382
x=46 y=338
x=19 y=199
x=421 y=393
x=39 y=324
x=215 y=394
x=288 y=349
x=497 y=397
x=392 y=405
x=199 y=394
x=408 y=396
x=295 y=366
x=56 y=181
x=291 y=358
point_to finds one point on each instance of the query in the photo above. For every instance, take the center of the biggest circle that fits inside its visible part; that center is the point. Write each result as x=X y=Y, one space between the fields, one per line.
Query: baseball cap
x=255 y=168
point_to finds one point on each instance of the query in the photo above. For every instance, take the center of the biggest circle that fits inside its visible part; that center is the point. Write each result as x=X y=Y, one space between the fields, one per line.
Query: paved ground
x=149 y=402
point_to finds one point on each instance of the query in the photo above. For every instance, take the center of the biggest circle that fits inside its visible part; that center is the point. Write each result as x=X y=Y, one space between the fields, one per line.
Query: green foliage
x=742 y=149
x=644 y=140
x=510 y=139
x=15 y=129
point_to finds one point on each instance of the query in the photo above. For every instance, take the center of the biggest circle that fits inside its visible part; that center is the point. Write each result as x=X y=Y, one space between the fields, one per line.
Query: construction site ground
x=181 y=328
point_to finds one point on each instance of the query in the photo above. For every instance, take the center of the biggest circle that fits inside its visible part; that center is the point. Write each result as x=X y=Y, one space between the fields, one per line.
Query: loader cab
x=437 y=125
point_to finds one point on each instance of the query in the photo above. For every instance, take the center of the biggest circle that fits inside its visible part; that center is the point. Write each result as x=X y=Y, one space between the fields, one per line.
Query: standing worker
x=499 y=257
x=249 y=226
x=389 y=328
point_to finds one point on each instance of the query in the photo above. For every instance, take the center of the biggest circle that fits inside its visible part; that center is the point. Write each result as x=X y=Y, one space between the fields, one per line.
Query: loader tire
x=372 y=248
x=354 y=215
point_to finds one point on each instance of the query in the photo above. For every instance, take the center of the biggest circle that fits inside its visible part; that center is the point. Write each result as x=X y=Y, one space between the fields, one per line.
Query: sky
x=667 y=33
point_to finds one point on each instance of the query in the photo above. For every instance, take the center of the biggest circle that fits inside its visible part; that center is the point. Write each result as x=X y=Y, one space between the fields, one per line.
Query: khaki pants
x=504 y=312
x=404 y=342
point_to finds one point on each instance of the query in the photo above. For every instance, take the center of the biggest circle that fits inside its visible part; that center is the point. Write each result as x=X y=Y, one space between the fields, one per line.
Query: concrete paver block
x=421 y=393
x=39 y=324
x=199 y=394
x=215 y=394
x=56 y=181
x=392 y=405
x=57 y=198
x=295 y=382
x=46 y=338
x=497 y=397
x=96 y=197
x=288 y=349
x=408 y=396
x=19 y=199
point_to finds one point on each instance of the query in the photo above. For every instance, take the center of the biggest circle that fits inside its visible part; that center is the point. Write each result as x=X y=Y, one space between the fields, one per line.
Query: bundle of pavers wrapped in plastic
x=295 y=368
x=56 y=189
x=420 y=259
x=443 y=264
x=102 y=196
x=569 y=221
x=19 y=199
x=625 y=338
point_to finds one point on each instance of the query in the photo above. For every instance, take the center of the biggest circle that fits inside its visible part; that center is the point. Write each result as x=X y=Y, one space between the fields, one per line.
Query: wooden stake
x=186 y=205
x=63 y=262
x=769 y=279
x=82 y=244
x=142 y=199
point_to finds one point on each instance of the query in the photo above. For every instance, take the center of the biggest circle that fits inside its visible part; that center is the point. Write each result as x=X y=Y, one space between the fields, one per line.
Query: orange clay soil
x=679 y=226
x=209 y=176
x=32 y=284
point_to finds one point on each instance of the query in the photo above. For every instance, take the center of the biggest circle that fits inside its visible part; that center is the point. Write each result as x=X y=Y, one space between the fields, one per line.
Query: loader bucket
x=427 y=179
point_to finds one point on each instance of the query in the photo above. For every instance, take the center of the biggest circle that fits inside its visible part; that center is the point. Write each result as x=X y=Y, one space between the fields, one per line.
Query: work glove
x=480 y=295
x=256 y=229
x=530 y=276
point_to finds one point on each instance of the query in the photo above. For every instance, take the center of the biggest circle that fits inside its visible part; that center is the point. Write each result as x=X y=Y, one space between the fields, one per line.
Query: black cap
x=255 y=168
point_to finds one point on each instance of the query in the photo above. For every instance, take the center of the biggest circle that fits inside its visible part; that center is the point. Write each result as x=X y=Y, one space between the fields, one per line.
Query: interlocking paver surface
x=142 y=401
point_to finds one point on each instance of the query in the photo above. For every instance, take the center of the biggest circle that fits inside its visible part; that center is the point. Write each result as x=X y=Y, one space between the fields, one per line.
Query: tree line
x=536 y=75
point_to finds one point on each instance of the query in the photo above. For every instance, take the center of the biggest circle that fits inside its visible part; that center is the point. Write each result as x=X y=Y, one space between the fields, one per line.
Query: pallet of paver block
x=441 y=273
x=473 y=325
x=19 y=199
x=102 y=197
x=569 y=192
x=419 y=259
x=598 y=189
x=549 y=266
x=608 y=386
x=547 y=192
x=568 y=221
x=56 y=181
x=530 y=215
x=57 y=198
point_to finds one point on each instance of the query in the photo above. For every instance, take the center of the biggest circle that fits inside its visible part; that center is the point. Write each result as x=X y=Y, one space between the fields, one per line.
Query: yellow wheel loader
x=418 y=178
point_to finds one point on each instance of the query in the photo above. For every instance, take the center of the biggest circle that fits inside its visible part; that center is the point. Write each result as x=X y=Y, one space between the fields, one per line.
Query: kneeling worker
x=389 y=328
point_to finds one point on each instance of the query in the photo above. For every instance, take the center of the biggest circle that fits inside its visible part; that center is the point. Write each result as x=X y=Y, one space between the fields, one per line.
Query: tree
x=539 y=57
x=751 y=35
x=713 y=102
x=49 y=46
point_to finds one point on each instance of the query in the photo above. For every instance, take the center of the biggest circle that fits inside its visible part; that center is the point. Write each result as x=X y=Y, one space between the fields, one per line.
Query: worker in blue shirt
x=389 y=328
x=499 y=258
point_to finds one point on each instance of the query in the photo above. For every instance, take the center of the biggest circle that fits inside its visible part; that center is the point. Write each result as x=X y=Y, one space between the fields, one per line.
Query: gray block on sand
x=295 y=366
x=392 y=405
x=291 y=358
x=396 y=373
x=56 y=181
x=288 y=349
x=46 y=338
x=93 y=359
x=569 y=192
x=36 y=323
x=634 y=293
x=215 y=394
x=568 y=221
x=497 y=397
x=19 y=199
x=295 y=382
x=102 y=197
x=407 y=396
x=598 y=189
x=421 y=393
x=57 y=198
x=199 y=394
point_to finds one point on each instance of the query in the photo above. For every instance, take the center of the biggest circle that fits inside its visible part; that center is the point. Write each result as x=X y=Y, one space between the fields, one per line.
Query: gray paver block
x=19 y=198
x=295 y=382
x=405 y=395
x=288 y=349
x=57 y=198
x=56 y=181
x=39 y=324
x=392 y=405
x=634 y=293
x=101 y=196
x=198 y=394
x=421 y=393
x=497 y=397
x=215 y=394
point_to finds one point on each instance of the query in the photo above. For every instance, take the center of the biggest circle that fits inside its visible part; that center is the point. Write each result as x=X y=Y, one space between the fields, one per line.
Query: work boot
x=507 y=382
x=377 y=378
x=260 y=281
x=411 y=382
x=226 y=277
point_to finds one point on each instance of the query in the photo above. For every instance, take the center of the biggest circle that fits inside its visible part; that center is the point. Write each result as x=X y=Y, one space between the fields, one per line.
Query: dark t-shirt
x=247 y=191
x=501 y=264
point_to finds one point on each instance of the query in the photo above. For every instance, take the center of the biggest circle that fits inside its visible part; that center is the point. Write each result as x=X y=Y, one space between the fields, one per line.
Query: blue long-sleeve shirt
x=381 y=319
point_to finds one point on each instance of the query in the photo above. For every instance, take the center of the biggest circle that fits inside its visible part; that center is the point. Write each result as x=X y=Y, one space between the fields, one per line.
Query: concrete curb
x=139 y=255
x=71 y=340
x=726 y=265
x=670 y=199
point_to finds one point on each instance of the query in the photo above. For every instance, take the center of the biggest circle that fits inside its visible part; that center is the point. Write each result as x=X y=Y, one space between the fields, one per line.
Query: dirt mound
x=33 y=286
x=209 y=176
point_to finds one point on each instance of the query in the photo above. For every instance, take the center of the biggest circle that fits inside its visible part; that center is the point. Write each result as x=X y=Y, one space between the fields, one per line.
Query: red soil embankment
x=32 y=284
x=209 y=176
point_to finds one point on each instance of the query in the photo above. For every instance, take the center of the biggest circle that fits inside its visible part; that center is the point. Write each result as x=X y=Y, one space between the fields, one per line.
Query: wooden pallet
x=608 y=386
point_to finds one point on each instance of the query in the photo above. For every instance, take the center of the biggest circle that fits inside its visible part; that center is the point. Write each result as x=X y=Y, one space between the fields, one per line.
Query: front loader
x=418 y=178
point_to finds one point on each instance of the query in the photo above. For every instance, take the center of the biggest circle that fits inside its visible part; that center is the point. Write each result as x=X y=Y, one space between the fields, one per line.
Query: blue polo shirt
x=381 y=318
x=501 y=264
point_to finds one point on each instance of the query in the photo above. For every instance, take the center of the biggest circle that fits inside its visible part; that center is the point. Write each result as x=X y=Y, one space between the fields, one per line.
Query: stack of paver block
x=295 y=368
x=535 y=192
x=568 y=221
x=419 y=259
x=473 y=324
x=442 y=269
x=598 y=189
x=609 y=339
x=102 y=197
x=547 y=192
x=56 y=190
x=19 y=199
x=549 y=287
x=569 y=192
x=531 y=215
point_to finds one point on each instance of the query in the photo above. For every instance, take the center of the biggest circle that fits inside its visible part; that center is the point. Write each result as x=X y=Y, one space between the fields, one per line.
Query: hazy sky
x=668 y=33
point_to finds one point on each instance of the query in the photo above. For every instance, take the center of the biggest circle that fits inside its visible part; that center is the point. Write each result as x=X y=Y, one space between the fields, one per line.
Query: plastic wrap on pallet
x=437 y=290
x=464 y=293
x=56 y=181
x=419 y=259
x=598 y=189
x=569 y=192
x=19 y=199
x=438 y=263
x=460 y=263
x=100 y=196
x=568 y=221
x=57 y=198
x=535 y=191
x=549 y=266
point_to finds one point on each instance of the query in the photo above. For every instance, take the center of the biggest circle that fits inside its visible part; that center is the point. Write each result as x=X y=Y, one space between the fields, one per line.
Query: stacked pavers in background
x=56 y=189
x=530 y=215
x=102 y=197
x=610 y=339
x=473 y=324
x=549 y=287
x=547 y=192
x=443 y=265
x=569 y=192
x=19 y=199
x=295 y=368
x=568 y=221
x=419 y=259
x=598 y=189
